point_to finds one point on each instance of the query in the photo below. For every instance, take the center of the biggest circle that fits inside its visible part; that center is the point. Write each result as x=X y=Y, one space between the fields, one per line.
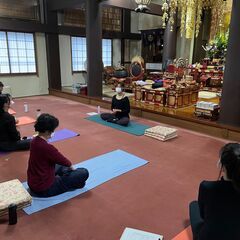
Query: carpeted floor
x=152 y=198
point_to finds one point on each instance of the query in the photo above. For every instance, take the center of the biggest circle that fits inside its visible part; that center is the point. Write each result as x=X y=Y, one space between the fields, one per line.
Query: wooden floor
x=183 y=112
x=152 y=198
x=182 y=117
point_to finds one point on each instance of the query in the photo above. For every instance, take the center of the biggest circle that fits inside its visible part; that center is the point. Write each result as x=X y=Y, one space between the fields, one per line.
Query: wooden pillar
x=52 y=46
x=126 y=28
x=94 y=48
x=230 y=102
x=170 y=42
x=199 y=53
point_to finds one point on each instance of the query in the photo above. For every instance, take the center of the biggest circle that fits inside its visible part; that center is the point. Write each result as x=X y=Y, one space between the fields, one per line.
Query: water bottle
x=25 y=107
x=12 y=213
x=38 y=112
x=98 y=109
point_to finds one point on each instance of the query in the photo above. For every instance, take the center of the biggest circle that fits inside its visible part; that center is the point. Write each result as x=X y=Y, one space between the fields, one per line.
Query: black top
x=219 y=206
x=8 y=130
x=122 y=104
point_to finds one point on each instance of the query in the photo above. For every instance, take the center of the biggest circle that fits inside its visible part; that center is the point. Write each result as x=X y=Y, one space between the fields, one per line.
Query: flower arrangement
x=217 y=48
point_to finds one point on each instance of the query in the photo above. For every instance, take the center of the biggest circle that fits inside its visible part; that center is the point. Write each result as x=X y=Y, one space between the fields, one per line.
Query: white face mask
x=118 y=90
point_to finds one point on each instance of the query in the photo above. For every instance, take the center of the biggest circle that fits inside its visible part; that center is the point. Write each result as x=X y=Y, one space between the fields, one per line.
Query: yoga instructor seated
x=49 y=172
x=10 y=139
x=120 y=108
x=215 y=216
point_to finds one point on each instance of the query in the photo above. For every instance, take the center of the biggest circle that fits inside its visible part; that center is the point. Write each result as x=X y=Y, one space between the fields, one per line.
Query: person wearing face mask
x=216 y=213
x=120 y=108
x=10 y=138
x=49 y=172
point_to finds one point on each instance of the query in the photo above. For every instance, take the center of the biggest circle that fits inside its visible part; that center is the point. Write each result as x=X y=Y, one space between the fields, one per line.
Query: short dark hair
x=1 y=84
x=46 y=122
x=3 y=99
x=230 y=159
x=121 y=84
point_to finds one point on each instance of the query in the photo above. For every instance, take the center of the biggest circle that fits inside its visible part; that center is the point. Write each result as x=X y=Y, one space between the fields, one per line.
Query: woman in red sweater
x=49 y=172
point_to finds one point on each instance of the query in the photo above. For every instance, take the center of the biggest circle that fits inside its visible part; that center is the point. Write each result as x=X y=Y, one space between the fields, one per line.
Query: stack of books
x=207 y=105
x=161 y=133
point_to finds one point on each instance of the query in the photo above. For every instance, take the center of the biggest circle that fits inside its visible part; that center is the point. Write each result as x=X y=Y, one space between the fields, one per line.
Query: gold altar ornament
x=191 y=15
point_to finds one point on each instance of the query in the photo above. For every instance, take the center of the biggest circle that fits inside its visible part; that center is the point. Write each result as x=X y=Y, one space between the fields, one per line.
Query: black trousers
x=110 y=117
x=195 y=219
x=66 y=180
x=15 y=146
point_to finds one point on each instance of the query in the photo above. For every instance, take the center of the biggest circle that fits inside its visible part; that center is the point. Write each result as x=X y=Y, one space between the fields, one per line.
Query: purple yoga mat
x=3 y=153
x=58 y=136
x=62 y=135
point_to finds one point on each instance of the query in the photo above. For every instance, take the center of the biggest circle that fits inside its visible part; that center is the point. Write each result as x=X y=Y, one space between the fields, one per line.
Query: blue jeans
x=66 y=180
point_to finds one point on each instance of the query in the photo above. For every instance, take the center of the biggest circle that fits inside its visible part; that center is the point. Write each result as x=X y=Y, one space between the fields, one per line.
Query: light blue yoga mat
x=101 y=169
x=132 y=128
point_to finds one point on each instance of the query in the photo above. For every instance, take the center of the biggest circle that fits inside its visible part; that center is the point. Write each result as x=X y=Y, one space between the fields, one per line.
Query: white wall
x=134 y=22
x=135 y=48
x=142 y=21
x=148 y=21
x=67 y=77
x=116 y=52
x=66 y=62
x=29 y=85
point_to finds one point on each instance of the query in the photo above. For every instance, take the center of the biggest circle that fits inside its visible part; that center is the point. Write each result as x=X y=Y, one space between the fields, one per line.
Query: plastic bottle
x=98 y=109
x=38 y=112
x=25 y=107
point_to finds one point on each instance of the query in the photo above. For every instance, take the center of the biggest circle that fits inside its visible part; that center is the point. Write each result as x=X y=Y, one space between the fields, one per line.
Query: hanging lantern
x=165 y=8
x=142 y=5
x=143 y=2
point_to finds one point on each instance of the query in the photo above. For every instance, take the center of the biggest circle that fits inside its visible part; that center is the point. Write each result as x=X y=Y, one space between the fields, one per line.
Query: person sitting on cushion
x=10 y=139
x=216 y=213
x=120 y=108
x=49 y=172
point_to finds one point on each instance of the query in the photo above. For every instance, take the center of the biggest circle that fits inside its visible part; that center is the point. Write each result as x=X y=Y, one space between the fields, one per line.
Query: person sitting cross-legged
x=120 y=108
x=215 y=216
x=49 y=172
x=10 y=138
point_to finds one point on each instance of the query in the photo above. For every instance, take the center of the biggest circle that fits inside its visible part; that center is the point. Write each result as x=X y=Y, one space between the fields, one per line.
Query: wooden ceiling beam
x=54 y=5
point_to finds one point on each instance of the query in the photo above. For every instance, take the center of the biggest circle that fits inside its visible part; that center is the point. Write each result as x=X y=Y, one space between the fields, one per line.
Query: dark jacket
x=219 y=205
x=8 y=130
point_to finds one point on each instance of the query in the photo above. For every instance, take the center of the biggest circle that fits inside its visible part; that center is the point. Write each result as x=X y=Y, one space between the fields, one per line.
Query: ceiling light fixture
x=142 y=5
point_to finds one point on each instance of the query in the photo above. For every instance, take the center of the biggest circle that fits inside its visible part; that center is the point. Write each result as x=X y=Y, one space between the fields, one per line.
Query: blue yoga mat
x=132 y=128
x=101 y=169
